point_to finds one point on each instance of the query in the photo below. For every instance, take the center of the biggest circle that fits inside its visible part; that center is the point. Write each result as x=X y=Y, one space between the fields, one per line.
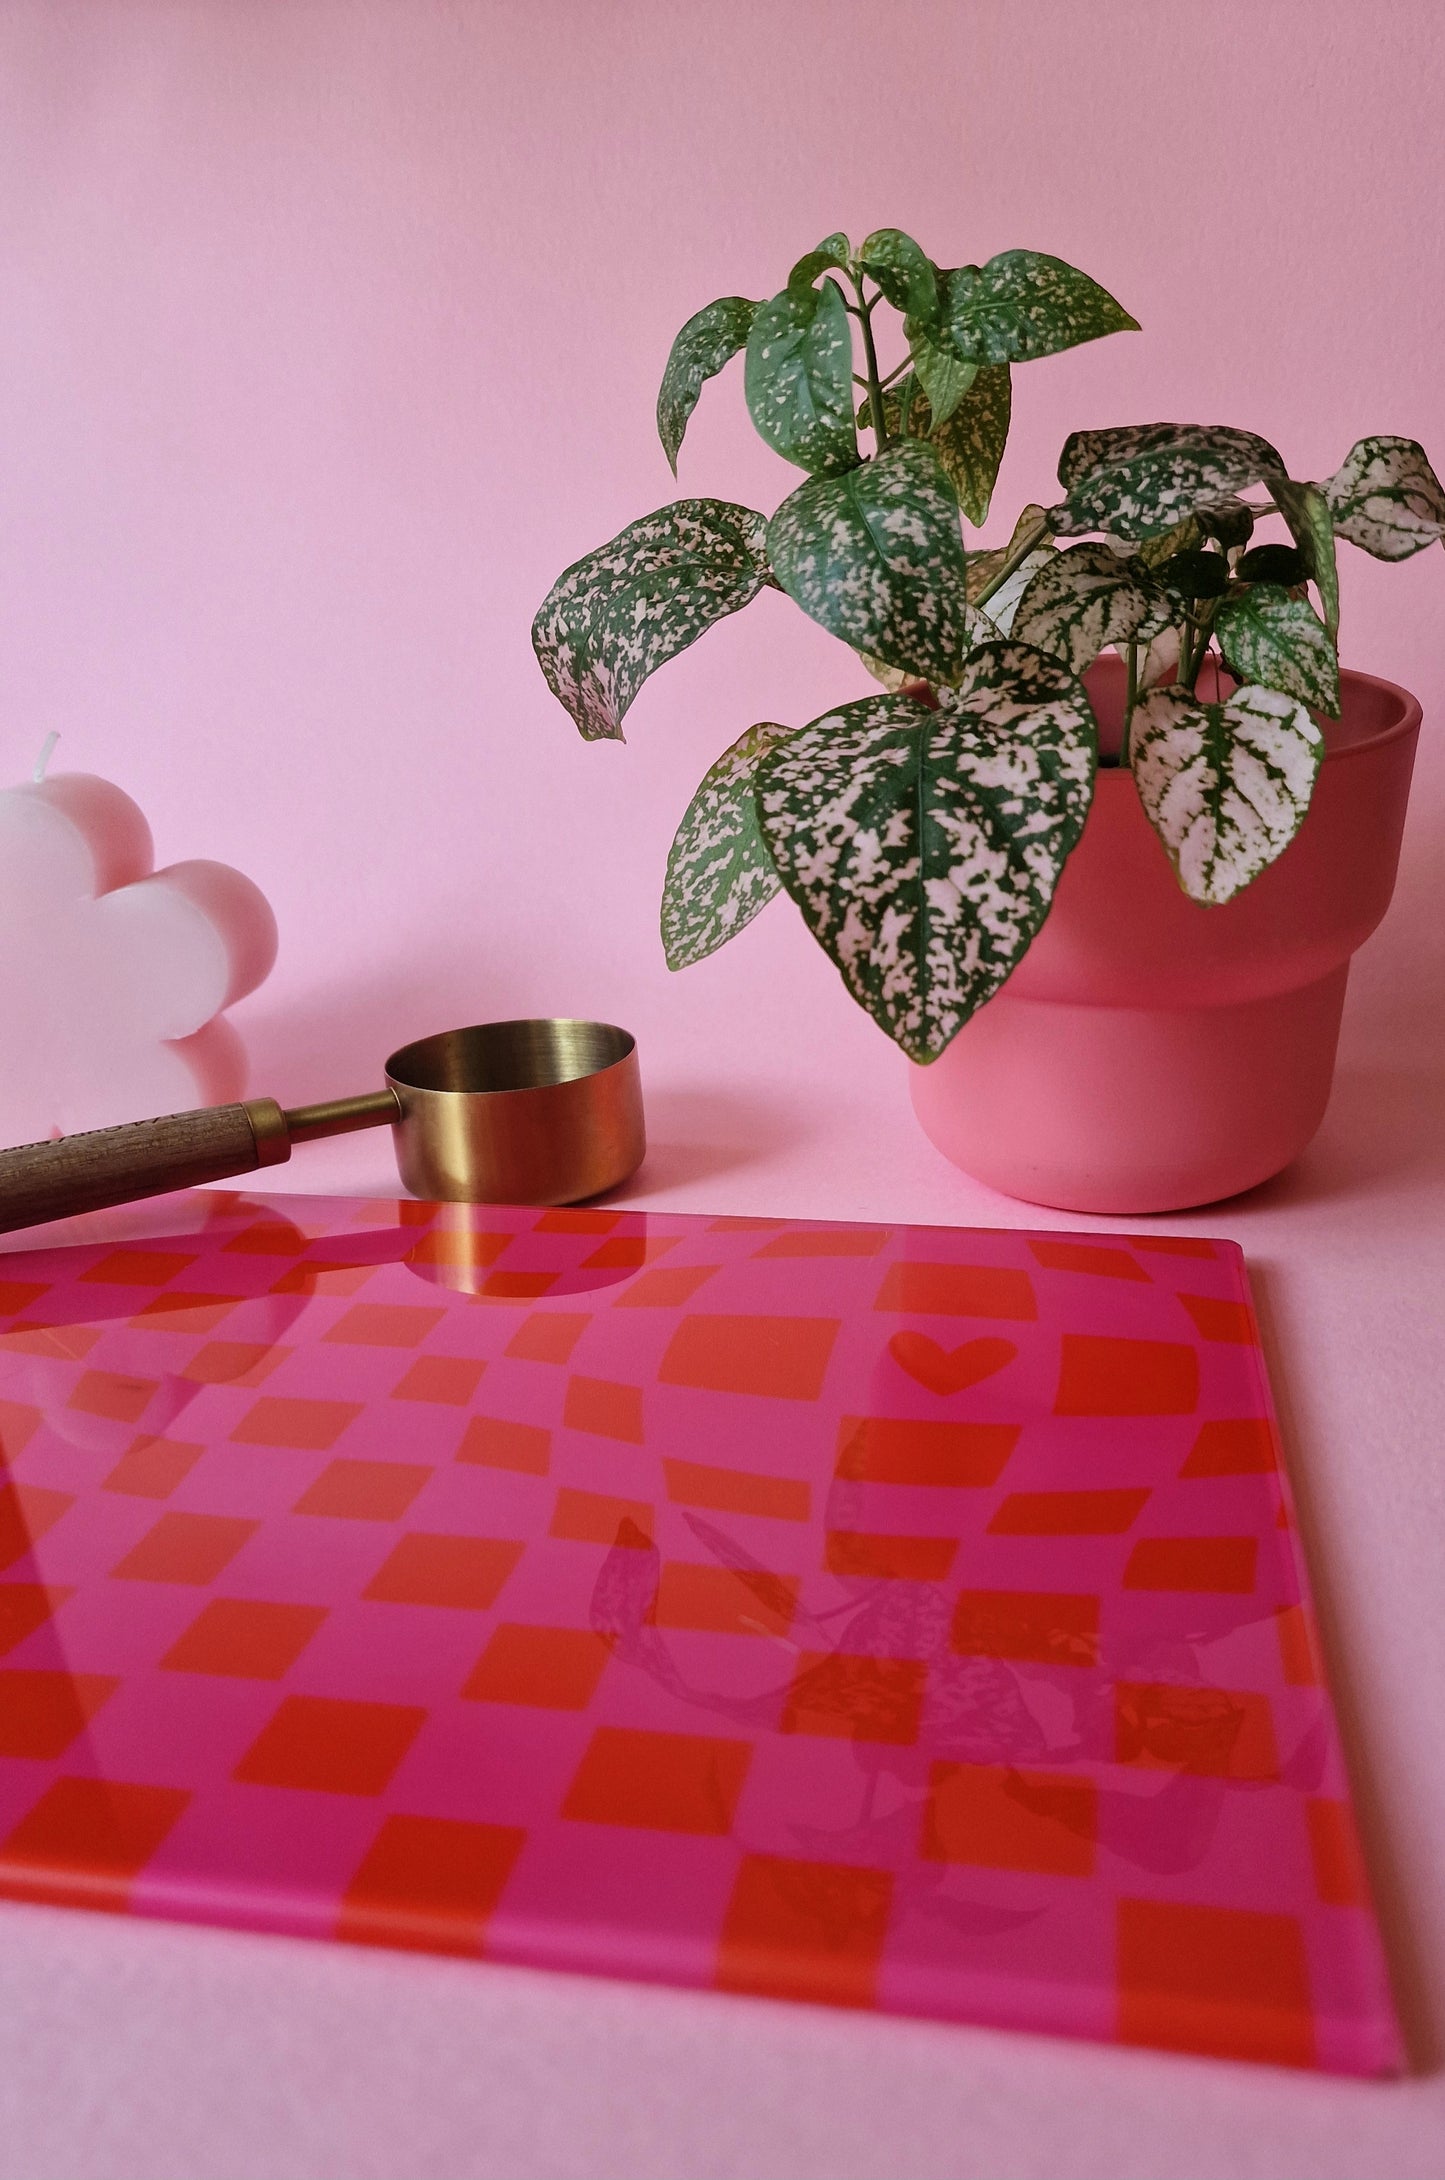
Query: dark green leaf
x=1194 y=575
x=1279 y=641
x=831 y=253
x=877 y=558
x=1083 y=599
x=799 y=377
x=1138 y=482
x=944 y=377
x=1387 y=499
x=1225 y=786
x=719 y=874
x=1022 y=304
x=895 y=263
x=704 y=345
x=1229 y=523
x=1272 y=564
x=623 y=611
x=1312 y=527
x=924 y=847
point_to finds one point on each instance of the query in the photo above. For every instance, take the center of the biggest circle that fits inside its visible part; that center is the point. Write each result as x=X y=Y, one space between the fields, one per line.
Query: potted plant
x=1098 y=852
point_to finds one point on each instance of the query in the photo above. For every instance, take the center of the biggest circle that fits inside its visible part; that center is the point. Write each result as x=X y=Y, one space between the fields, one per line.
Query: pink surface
x=332 y=333
x=900 y=1618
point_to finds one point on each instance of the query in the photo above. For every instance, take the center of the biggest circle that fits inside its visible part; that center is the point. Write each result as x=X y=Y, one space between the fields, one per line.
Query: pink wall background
x=329 y=333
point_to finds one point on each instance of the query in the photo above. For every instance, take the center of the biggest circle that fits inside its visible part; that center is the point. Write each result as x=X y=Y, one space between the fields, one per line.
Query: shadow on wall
x=336 y=1042
x=699 y=1134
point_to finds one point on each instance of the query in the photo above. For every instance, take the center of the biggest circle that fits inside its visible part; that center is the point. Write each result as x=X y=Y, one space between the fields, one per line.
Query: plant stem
x=1131 y=698
x=1191 y=657
x=1028 y=543
x=864 y=315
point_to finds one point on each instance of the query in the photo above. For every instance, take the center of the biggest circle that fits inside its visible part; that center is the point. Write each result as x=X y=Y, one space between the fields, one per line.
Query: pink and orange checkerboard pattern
x=903 y=1618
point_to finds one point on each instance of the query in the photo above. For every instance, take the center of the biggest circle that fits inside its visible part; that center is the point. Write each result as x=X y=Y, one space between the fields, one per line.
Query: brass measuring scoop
x=535 y=1112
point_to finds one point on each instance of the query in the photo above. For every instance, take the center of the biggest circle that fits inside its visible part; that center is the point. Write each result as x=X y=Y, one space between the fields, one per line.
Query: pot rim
x=1407 y=721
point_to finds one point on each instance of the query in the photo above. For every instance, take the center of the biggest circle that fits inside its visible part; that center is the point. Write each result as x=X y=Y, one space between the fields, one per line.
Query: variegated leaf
x=1003 y=603
x=799 y=377
x=832 y=252
x=969 y=443
x=1387 y=499
x=719 y=874
x=1086 y=451
x=1086 y=598
x=897 y=266
x=1161 y=660
x=1153 y=476
x=708 y=341
x=615 y=616
x=983 y=568
x=1184 y=537
x=892 y=678
x=923 y=848
x=877 y=558
x=944 y=376
x=1225 y=786
x=1269 y=637
x=1312 y=527
x=1022 y=304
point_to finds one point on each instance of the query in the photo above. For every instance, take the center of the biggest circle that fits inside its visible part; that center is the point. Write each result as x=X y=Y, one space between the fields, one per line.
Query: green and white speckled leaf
x=831 y=255
x=897 y=266
x=719 y=874
x=1387 y=499
x=709 y=340
x=1022 y=304
x=615 y=616
x=983 y=568
x=969 y=443
x=1003 y=603
x=1225 y=786
x=1140 y=480
x=1312 y=527
x=891 y=678
x=923 y=848
x=877 y=558
x=799 y=377
x=944 y=377
x=1084 y=599
x=1271 y=638
x=1086 y=451
x=1184 y=537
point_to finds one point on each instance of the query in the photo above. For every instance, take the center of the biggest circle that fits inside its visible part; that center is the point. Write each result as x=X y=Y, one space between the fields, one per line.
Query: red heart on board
x=949 y=1371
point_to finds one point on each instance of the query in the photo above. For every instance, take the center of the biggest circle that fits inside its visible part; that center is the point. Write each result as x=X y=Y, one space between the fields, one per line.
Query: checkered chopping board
x=908 y=1618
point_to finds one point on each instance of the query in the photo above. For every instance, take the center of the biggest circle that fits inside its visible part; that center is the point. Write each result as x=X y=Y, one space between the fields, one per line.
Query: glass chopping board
x=893 y=1617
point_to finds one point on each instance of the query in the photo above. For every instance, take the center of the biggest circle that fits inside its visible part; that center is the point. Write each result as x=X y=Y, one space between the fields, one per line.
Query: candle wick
x=46 y=753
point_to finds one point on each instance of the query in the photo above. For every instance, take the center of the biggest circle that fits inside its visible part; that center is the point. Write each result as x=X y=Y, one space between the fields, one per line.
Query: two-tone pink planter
x=1149 y=1054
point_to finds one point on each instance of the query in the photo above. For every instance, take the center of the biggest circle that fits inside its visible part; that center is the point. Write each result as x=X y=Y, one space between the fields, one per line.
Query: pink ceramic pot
x=1149 y=1054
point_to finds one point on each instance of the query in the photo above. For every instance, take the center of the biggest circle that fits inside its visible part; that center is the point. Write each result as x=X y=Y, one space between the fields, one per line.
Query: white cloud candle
x=113 y=975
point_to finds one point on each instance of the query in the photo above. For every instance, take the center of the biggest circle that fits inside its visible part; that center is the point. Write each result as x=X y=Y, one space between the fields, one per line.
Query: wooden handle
x=42 y=1181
